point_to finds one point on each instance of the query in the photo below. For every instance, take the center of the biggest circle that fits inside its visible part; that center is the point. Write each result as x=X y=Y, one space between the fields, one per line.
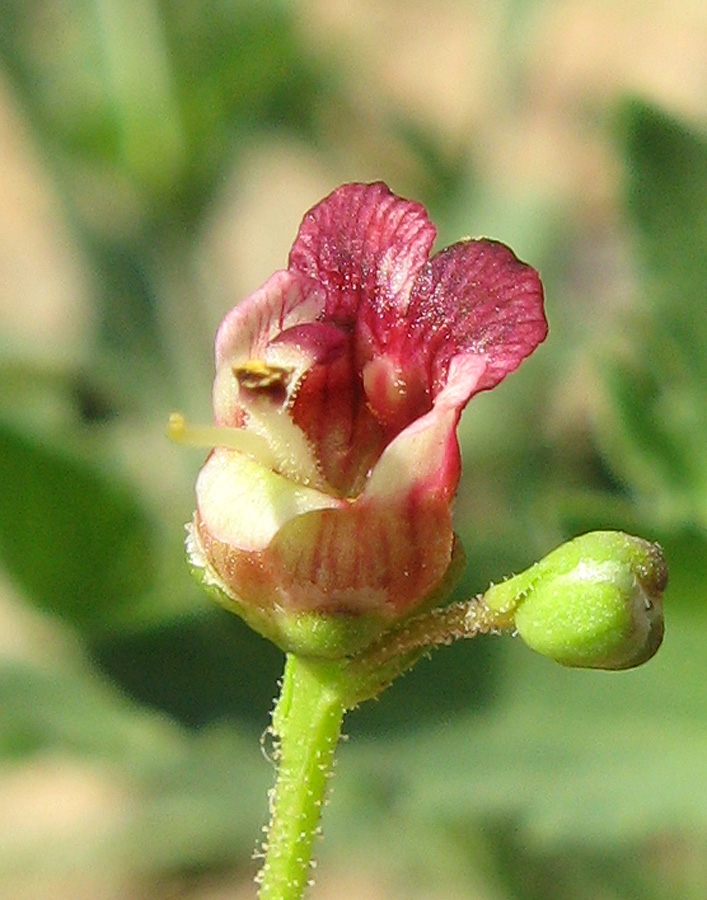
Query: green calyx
x=308 y=634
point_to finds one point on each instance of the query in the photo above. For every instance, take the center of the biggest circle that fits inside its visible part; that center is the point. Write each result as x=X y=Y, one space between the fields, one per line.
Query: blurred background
x=156 y=157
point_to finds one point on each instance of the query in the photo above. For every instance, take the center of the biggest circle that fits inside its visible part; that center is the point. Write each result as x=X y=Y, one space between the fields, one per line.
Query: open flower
x=324 y=510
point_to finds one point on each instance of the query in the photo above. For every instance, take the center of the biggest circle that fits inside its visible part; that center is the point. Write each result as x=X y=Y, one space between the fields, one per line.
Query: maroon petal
x=475 y=297
x=363 y=243
x=424 y=459
x=330 y=407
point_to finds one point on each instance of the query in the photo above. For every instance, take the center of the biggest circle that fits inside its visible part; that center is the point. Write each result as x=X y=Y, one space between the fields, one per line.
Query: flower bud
x=594 y=602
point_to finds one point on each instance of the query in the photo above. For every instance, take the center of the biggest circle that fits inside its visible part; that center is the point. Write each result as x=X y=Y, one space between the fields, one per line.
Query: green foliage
x=563 y=753
x=77 y=543
x=564 y=765
x=74 y=713
x=657 y=433
x=162 y=93
x=666 y=166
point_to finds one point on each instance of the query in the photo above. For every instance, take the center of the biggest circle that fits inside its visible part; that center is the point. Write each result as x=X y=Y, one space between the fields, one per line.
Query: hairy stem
x=307 y=725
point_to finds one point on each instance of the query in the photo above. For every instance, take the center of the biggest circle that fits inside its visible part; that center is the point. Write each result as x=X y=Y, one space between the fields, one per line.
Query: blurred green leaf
x=161 y=93
x=73 y=712
x=204 y=808
x=198 y=668
x=572 y=757
x=655 y=431
x=237 y=68
x=77 y=542
x=666 y=195
x=659 y=432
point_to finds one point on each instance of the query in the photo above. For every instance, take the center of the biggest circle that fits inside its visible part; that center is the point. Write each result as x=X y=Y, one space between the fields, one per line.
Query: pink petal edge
x=476 y=297
x=365 y=245
x=285 y=300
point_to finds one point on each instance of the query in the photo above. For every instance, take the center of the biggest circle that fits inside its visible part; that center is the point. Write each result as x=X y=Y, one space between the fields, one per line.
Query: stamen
x=257 y=375
x=208 y=436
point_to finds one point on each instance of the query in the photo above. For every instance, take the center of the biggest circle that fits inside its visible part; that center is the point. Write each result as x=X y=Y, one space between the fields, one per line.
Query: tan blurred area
x=531 y=97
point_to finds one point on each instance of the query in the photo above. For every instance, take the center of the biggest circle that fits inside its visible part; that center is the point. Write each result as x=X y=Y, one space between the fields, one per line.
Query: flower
x=324 y=510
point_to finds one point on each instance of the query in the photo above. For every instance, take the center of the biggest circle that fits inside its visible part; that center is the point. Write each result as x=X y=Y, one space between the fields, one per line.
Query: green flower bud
x=594 y=602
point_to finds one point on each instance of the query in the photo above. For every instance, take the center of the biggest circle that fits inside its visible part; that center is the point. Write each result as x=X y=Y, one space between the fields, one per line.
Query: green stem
x=307 y=724
x=374 y=669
